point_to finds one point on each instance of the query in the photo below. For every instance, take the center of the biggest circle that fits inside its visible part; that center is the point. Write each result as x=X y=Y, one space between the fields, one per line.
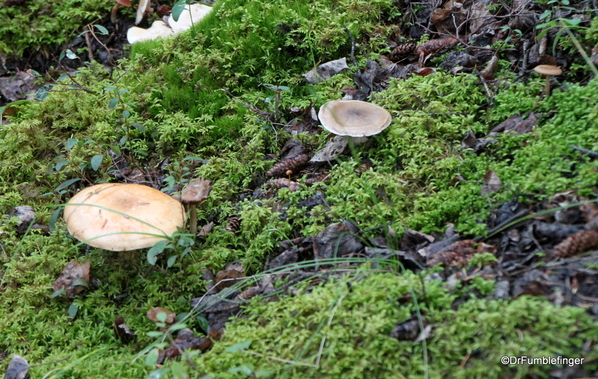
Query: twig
x=89 y=26
x=488 y=92
x=587 y=151
x=89 y=47
x=352 y=45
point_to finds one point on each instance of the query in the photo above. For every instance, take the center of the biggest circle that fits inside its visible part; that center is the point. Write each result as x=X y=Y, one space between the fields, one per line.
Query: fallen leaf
x=159 y=314
x=332 y=150
x=122 y=331
x=74 y=278
x=18 y=368
x=515 y=124
x=326 y=71
x=493 y=182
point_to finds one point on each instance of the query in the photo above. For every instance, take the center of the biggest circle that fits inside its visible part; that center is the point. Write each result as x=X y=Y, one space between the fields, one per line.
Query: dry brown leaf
x=152 y=314
x=459 y=253
x=74 y=278
x=493 y=182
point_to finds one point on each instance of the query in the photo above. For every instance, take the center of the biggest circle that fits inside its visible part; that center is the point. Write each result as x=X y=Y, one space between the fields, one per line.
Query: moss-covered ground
x=183 y=109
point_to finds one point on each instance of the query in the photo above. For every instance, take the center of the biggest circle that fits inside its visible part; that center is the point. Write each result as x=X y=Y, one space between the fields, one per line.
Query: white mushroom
x=353 y=118
x=158 y=29
x=192 y=14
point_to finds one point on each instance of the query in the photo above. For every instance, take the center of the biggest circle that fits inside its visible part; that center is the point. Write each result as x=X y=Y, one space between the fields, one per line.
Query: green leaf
x=110 y=88
x=238 y=347
x=160 y=373
x=244 y=369
x=126 y=114
x=203 y=323
x=96 y=161
x=571 y=22
x=41 y=93
x=61 y=164
x=161 y=316
x=177 y=9
x=70 y=54
x=171 y=261
x=53 y=219
x=178 y=370
x=152 y=357
x=67 y=183
x=112 y=103
x=154 y=251
x=80 y=282
x=176 y=327
x=73 y=310
x=154 y=334
x=123 y=140
x=70 y=143
x=60 y=292
x=102 y=30
x=139 y=127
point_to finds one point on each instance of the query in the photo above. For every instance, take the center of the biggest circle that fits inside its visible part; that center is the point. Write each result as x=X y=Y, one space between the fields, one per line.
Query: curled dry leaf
x=332 y=150
x=493 y=182
x=459 y=253
x=515 y=124
x=152 y=314
x=326 y=71
x=122 y=331
x=227 y=278
x=428 y=48
x=74 y=278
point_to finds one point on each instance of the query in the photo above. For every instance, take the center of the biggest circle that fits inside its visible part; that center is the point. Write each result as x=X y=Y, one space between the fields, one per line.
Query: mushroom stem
x=547 y=86
x=192 y=219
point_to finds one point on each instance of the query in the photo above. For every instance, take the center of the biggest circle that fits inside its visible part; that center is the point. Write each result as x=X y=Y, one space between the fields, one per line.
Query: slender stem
x=193 y=221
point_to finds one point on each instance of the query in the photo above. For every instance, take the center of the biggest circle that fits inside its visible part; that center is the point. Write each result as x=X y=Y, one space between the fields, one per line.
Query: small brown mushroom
x=194 y=193
x=548 y=71
x=353 y=118
x=122 y=217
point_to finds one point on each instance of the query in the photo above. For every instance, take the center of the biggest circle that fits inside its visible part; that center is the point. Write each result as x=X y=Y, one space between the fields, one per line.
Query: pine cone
x=284 y=183
x=576 y=243
x=291 y=164
x=402 y=50
x=234 y=224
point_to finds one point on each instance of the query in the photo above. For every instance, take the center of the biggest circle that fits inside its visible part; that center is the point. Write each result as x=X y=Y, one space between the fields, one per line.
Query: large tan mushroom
x=353 y=118
x=123 y=217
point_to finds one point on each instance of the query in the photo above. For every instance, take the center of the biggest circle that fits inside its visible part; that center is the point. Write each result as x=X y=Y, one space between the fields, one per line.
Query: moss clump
x=186 y=108
x=41 y=25
x=342 y=330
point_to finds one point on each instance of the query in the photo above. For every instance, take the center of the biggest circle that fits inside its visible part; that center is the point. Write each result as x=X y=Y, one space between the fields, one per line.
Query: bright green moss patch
x=342 y=330
x=40 y=24
x=202 y=104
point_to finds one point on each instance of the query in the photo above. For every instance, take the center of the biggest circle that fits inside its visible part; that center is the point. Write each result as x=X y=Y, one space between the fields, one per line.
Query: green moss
x=343 y=330
x=199 y=100
x=40 y=25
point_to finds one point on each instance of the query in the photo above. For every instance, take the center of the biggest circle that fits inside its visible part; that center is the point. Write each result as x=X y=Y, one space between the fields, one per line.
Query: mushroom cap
x=353 y=118
x=158 y=29
x=546 y=69
x=120 y=217
x=191 y=15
